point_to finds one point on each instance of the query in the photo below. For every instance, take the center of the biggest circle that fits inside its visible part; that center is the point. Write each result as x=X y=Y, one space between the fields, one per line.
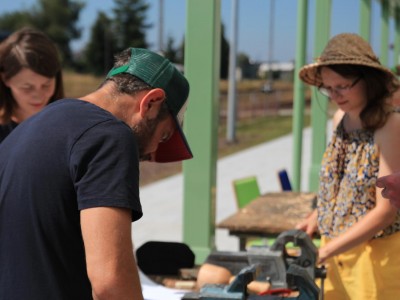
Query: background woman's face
x=31 y=91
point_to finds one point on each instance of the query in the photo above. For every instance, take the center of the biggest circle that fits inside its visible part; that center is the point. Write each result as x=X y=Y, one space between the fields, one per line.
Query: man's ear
x=151 y=102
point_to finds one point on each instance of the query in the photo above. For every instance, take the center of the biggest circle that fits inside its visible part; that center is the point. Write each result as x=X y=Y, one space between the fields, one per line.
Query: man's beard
x=144 y=132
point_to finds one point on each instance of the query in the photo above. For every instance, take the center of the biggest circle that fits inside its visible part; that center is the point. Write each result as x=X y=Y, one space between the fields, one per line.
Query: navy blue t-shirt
x=6 y=129
x=71 y=156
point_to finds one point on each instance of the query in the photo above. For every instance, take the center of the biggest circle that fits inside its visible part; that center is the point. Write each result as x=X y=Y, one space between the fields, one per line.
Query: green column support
x=365 y=19
x=299 y=97
x=202 y=61
x=396 y=52
x=384 y=33
x=319 y=103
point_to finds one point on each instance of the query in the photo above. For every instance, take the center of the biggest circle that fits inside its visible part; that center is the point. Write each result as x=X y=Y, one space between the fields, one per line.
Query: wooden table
x=269 y=215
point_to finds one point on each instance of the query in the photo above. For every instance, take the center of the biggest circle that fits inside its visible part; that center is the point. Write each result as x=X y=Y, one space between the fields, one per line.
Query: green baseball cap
x=159 y=72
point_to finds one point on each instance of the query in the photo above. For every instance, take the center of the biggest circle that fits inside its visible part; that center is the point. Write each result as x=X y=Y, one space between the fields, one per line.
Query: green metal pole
x=299 y=98
x=319 y=103
x=384 y=33
x=202 y=61
x=396 y=54
x=365 y=19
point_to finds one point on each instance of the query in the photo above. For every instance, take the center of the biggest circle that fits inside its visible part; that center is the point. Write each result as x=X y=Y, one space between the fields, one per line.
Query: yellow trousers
x=370 y=271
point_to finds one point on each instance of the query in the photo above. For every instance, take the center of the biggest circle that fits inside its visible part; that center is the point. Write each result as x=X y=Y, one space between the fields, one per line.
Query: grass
x=78 y=85
x=260 y=117
x=251 y=132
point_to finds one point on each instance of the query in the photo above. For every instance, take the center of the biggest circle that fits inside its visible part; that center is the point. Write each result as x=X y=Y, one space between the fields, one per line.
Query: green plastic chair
x=246 y=190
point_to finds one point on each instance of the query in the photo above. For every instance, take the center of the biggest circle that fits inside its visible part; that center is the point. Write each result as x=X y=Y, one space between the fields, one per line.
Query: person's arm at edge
x=110 y=260
x=384 y=213
x=390 y=185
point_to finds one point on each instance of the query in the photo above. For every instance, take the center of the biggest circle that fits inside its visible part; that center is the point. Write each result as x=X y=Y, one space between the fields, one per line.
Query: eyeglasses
x=339 y=91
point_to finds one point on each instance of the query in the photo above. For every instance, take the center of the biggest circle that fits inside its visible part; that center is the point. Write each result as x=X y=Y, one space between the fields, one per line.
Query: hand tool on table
x=284 y=272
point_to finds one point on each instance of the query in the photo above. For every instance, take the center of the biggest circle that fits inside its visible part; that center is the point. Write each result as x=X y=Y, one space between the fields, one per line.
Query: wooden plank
x=270 y=214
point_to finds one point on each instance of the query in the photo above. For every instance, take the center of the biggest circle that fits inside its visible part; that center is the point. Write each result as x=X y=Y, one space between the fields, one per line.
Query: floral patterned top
x=349 y=170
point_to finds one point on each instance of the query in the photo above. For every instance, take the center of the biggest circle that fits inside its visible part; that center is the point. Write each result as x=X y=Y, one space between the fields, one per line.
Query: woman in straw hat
x=359 y=228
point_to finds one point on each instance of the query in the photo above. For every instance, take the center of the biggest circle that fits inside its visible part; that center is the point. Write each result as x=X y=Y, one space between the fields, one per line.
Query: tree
x=248 y=70
x=224 y=55
x=243 y=60
x=180 y=55
x=224 y=52
x=111 y=35
x=99 y=52
x=58 y=19
x=12 y=21
x=170 y=52
x=129 y=22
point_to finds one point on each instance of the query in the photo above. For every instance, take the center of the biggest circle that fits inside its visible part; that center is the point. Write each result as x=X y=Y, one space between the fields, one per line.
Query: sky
x=255 y=26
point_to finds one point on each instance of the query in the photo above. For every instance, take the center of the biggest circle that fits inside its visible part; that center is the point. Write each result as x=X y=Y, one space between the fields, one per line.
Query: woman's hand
x=309 y=225
x=323 y=254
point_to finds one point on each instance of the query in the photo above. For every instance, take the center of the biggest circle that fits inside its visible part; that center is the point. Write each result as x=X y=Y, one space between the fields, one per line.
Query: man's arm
x=110 y=259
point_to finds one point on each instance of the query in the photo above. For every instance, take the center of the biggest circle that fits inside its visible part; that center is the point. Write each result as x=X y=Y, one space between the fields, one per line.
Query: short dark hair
x=129 y=84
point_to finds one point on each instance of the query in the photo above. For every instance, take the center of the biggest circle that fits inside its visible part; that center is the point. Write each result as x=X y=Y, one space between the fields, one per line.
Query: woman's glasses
x=338 y=91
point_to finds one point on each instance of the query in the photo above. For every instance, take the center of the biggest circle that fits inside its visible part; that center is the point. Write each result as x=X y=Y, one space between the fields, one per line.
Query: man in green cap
x=69 y=183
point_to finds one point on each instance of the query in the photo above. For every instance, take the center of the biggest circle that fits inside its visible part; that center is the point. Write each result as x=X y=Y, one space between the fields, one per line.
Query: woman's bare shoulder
x=391 y=127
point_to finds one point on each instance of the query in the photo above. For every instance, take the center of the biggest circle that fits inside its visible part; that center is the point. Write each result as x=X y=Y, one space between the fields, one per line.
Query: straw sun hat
x=344 y=48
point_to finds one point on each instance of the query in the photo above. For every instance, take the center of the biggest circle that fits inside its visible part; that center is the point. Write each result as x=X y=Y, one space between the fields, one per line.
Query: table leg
x=242 y=243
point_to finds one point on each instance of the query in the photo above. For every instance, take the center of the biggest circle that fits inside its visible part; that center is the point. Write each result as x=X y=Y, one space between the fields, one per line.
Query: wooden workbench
x=269 y=215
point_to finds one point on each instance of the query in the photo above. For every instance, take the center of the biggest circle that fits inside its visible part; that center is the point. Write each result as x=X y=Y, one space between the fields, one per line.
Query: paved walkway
x=162 y=201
